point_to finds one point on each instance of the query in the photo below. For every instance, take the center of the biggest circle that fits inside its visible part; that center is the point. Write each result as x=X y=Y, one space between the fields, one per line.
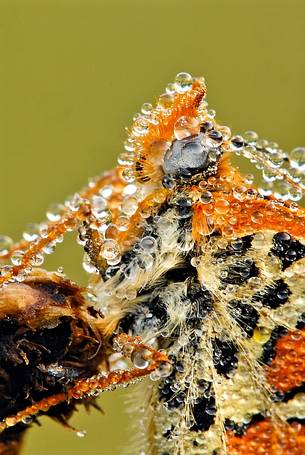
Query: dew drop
x=129 y=190
x=31 y=233
x=128 y=175
x=297 y=157
x=27 y=420
x=257 y=217
x=129 y=145
x=122 y=223
x=261 y=335
x=145 y=261
x=186 y=126
x=166 y=101
x=249 y=179
x=129 y=205
x=131 y=270
x=37 y=260
x=240 y=192
x=99 y=204
x=115 y=260
x=10 y=421
x=168 y=182
x=44 y=230
x=237 y=245
x=206 y=197
x=170 y=88
x=280 y=189
x=295 y=194
x=6 y=270
x=275 y=158
x=75 y=202
x=211 y=112
x=106 y=191
x=146 y=108
x=140 y=358
x=293 y=207
x=250 y=136
x=126 y=159
x=213 y=138
x=164 y=369
x=55 y=212
x=237 y=143
x=49 y=248
x=283 y=294
x=225 y=132
x=111 y=232
x=183 y=82
x=110 y=250
x=148 y=244
x=5 y=244
x=17 y=257
x=140 y=127
x=222 y=206
x=262 y=143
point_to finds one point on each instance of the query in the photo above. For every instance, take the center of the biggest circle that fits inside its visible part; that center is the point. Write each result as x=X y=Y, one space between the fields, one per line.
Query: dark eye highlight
x=187 y=157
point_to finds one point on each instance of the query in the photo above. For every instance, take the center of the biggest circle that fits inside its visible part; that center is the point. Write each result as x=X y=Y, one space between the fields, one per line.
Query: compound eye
x=186 y=156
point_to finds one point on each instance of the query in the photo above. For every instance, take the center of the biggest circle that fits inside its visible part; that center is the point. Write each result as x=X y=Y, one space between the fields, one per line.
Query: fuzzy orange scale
x=268 y=438
x=287 y=369
x=185 y=104
x=249 y=216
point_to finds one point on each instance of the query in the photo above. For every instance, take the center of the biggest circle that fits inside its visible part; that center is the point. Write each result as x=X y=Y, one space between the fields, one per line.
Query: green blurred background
x=73 y=72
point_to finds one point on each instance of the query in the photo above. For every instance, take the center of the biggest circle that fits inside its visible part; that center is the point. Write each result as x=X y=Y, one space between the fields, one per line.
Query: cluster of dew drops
x=282 y=176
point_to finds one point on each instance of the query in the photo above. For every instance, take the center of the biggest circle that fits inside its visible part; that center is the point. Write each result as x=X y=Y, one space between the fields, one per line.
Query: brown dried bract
x=52 y=352
x=48 y=343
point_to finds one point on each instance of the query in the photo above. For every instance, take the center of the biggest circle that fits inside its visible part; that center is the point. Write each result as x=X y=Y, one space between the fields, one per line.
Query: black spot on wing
x=238 y=247
x=168 y=394
x=169 y=433
x=240 y=429
x=150 y=315
x=269 y=347
x=200 y=301
x=274 y=295
x=287 y=249
x=245 y=315
x=204 y=409
x=180 y=273
x=287 y=396
x=296 y=420
x=301 y=322
x=224 y=356
x=239 y=272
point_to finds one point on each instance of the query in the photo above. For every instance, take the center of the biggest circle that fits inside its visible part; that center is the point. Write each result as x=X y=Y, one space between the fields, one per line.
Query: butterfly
x=195 y=282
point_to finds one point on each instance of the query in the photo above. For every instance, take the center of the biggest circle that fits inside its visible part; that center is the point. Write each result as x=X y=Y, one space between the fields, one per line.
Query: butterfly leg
x=144 y=356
